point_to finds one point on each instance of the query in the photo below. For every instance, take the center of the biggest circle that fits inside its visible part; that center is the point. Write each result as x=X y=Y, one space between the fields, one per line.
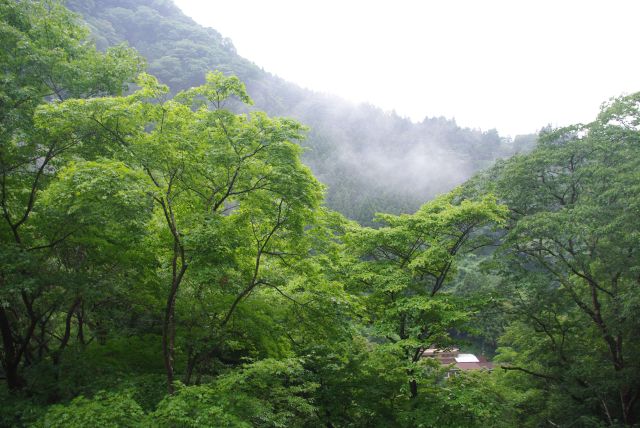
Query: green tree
x=211 y=173
x=571 y=256
x=44 y=58
x=404 y=266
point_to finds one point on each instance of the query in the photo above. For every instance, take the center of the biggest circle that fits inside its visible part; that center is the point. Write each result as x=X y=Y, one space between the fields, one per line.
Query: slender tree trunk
x=178 y=268
x=80 y=318
x=628 y=399
x=413 y=388
x=101 y=333
x=192 y=358
x=11 y=361
x=15 y=382
x=169 y=328
x=67 y=332
x=413 y=384
x=42 y=339
x=15 y=350
x=168 y=336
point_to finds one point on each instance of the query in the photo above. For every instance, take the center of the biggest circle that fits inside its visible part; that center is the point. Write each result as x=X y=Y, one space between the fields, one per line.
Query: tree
x=44 y=58
x=404 y=266
x=211 y=173
x=572 y=256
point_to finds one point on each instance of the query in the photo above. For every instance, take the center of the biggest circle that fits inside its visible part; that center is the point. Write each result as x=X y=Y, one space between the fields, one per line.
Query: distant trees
x=371 y=160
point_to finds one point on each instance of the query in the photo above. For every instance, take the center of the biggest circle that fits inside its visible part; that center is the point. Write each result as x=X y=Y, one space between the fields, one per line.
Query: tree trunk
x=628 y=400
x=80 y=318
x=192 y=358
x=413 y=388
x=15 y=382
x=67 y=332
x=169 y=328
x=168 y=336
x=168 y=325
x=11 y=360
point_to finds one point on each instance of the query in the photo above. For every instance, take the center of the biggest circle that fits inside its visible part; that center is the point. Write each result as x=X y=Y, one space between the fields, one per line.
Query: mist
x=371 y=159
x=374 y=160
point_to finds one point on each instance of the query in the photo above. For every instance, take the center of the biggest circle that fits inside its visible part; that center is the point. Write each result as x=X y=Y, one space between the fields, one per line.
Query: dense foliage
x=168 y=260
x=570 y=261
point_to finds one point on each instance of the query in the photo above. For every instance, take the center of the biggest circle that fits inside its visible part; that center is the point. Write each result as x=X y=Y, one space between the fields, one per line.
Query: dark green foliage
x=570 y=266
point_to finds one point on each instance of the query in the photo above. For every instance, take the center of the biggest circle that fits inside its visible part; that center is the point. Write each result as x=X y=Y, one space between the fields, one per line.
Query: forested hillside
x=168 y=260
x=371 y=160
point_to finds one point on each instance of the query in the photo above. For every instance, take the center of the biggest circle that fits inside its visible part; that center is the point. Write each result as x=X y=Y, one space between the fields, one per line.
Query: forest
x=189 y=241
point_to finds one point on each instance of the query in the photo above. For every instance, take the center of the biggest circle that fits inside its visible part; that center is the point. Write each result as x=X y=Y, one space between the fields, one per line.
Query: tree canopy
x=168 y=260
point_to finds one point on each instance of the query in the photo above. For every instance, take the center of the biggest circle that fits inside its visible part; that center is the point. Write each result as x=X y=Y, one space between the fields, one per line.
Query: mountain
x=370 y=160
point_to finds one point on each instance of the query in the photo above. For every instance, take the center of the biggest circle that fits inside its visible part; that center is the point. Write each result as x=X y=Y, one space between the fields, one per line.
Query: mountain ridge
x=371 y=160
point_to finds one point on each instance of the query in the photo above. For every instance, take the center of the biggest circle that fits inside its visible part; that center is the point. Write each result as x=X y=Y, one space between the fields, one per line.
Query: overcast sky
x=510 y=65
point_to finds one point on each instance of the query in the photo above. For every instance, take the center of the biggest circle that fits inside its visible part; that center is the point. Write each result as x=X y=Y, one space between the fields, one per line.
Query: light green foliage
x=216 y=90
x=102 y=206
x=45 y=55
x=104 y=410
x=45 y=59
x=224 y=185
x=363 y=384
x=407 y=262
x=267 y=393
x=465 y=400
x=403 y=268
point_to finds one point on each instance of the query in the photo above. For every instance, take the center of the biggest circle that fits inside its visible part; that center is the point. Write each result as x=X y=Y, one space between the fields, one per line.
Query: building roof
x=462 y=361
x=466 y=358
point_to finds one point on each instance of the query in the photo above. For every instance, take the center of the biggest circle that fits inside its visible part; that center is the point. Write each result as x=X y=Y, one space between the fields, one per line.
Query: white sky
x=512 y=65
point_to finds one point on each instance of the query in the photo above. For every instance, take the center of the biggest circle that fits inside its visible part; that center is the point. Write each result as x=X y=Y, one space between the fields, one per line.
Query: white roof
x=466 y=358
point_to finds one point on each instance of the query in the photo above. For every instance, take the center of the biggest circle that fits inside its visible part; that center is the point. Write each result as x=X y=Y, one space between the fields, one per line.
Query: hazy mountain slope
x=370 y=160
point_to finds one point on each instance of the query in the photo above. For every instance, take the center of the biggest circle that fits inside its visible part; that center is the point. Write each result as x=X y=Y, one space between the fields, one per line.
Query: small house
x=460 y=361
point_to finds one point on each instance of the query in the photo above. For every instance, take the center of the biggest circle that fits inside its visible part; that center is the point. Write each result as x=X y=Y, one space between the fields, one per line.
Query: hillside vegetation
x=371 y=160
x=168 y=260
